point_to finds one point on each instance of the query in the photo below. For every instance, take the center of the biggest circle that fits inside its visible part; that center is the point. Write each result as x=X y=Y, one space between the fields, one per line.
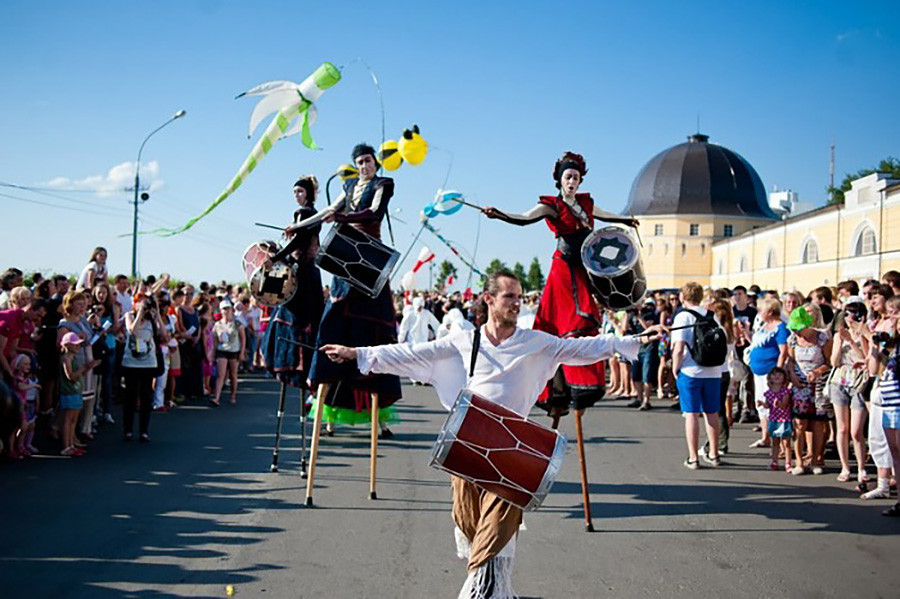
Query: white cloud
x=116 y=180
x=843 y=36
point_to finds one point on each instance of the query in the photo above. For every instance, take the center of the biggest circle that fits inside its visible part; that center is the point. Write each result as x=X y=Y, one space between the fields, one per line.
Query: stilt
x=303 y=395
x=314 y=449
x=374 y=458
x=585 y=495
x=280 y=415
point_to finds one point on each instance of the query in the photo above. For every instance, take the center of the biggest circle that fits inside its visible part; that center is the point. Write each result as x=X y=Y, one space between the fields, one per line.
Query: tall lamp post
x=137 y=191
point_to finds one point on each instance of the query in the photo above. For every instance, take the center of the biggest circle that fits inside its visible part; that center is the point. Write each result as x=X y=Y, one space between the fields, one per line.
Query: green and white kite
x=295 y=111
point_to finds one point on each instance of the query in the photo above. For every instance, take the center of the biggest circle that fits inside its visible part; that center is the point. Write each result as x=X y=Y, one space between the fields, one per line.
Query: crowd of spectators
x=815 y=374
x=71 y=350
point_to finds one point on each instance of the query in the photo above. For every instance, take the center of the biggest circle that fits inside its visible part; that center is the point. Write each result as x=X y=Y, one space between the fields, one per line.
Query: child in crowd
x=778 y=403
x=71 y=384
x=27 y=389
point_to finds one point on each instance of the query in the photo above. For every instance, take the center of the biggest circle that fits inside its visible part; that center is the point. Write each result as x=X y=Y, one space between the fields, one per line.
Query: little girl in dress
x=27 y=388
x=778 y=402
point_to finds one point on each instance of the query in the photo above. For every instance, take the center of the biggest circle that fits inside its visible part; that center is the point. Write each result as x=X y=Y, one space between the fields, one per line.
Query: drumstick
x=646 y=333
x=465 y=203
x=269 y=226
x=300 y=343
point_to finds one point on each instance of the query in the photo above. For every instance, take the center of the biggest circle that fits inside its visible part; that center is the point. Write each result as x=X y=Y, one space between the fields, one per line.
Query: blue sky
x=503 y=88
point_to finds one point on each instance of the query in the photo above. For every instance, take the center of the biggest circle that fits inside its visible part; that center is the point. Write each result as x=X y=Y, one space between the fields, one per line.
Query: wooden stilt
x=314 y=449
x=303 y=465
x=373 y=460
x=280 y=418
x=585 y=494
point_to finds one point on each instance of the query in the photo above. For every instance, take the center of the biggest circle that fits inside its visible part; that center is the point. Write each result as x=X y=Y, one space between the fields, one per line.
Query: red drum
x=498 y=450
x=271 y=285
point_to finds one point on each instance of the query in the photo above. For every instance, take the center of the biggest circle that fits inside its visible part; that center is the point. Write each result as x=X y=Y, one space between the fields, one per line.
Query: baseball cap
x=71 y=338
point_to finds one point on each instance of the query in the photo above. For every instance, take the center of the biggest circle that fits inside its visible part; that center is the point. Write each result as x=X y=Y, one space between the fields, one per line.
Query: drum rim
x=624 y=267
x=553 y=467
x=254 y=282
x=447 y=435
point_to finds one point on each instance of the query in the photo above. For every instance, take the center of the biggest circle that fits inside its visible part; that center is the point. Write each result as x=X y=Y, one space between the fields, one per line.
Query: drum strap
x=476 y=342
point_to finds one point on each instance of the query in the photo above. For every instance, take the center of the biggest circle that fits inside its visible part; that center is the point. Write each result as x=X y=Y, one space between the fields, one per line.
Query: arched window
x=683 y=249
x=771 y=259
x=865 y=243
x=702 y=249
x=721 y=267
x=810 y=252
x=650 y=249
x=742 y=265
x=666 y=250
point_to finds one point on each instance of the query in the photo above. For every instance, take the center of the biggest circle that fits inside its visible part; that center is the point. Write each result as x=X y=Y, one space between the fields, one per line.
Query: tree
x=495 y=265
x=445 y=270
x=519 y=271
x=535 y=277
x=889 y=165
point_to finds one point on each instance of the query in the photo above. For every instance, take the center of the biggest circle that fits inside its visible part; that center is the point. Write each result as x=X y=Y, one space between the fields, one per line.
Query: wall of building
x=779 y=256
x=674 y=256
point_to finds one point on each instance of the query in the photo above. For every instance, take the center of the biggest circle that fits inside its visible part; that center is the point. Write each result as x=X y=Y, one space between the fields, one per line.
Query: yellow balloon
x=413 y=147
x=389 y=156
x=347 y=171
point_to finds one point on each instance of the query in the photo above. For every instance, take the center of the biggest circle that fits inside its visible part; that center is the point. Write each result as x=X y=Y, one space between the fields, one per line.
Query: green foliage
x=889 y=165
x=519 y=271
x=535 y=278
x=495 y=264
x=445 y=270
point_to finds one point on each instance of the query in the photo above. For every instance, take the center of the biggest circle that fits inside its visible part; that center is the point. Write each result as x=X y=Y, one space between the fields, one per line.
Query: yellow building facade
x=859 y=240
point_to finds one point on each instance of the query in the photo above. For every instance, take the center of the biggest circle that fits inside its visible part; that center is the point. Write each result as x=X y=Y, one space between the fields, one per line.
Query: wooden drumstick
x=585 y=494
x=314 y=448
x=264 y=225
x=374 y=458
x=465 y=203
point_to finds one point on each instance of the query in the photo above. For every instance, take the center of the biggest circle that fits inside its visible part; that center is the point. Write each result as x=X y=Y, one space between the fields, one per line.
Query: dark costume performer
x=293 y=327
x=352 y=318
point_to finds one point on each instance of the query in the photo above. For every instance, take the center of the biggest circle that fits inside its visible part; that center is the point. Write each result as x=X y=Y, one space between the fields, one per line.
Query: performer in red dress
x=567 y=308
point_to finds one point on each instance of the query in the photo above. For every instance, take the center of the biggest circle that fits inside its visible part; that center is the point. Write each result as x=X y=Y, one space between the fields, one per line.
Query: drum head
x=273 y=286
x=609 y=252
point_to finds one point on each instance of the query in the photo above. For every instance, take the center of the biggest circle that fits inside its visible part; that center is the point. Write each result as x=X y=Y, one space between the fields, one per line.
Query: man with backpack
x=699 y=350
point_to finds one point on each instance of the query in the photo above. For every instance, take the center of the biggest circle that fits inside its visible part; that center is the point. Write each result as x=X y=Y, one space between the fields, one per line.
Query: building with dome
x=687 y=198
x=705 y=217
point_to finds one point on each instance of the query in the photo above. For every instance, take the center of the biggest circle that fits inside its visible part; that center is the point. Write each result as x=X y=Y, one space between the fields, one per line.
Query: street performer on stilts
x=567 y=309
x=287 y=345
x=511 y=367
x=296 y=322
x=351 y=317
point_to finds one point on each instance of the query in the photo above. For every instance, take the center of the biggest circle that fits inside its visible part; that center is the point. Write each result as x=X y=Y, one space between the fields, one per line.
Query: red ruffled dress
x=567 y=308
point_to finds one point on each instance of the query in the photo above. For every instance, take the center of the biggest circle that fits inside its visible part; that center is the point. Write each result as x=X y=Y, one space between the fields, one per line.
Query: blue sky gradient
x=501 y=88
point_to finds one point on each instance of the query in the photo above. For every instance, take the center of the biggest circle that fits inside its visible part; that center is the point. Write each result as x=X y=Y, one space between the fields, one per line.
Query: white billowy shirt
x=511 y=374
x=418 y=325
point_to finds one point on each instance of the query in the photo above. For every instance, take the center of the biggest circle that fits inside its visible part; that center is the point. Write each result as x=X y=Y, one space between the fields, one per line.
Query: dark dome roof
x=698 y=177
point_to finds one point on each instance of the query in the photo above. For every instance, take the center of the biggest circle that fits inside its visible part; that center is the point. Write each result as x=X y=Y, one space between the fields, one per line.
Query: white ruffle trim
x=493 y=580
x=464 y=547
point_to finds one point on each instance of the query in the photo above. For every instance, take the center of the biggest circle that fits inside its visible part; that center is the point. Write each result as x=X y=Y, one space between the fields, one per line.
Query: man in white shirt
x=123 y=295
x=511 y=368
x=699 y=387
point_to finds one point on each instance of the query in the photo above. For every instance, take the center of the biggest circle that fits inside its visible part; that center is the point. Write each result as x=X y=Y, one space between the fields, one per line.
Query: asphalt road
x=197 y=510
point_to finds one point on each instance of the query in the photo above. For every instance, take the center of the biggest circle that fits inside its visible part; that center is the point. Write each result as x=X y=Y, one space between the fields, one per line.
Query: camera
x=884 y=340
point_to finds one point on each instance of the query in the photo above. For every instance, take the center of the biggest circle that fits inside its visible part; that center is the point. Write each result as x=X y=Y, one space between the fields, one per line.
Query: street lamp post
x=137 y=190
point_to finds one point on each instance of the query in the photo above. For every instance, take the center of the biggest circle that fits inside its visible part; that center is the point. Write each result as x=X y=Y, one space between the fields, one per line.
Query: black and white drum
x=362 y=260
x=272 y=284
x=612 y=259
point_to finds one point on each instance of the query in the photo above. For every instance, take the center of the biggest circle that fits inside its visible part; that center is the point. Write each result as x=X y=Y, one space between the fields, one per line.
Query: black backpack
x=710 y=342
